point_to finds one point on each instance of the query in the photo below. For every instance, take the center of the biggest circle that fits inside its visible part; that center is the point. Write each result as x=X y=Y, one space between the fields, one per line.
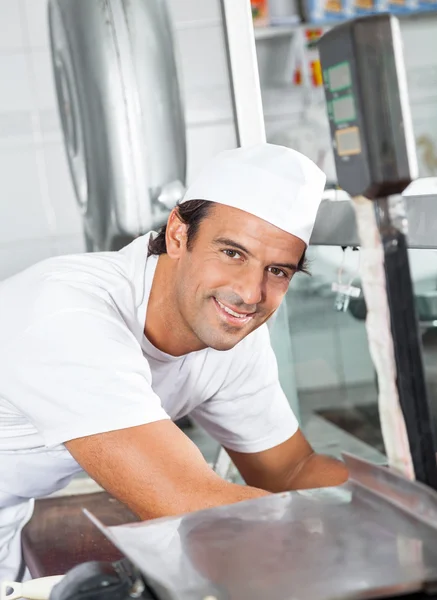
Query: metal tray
x=375 y=537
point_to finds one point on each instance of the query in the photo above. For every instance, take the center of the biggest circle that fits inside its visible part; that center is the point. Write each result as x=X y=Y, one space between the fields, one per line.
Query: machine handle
x=35 y=589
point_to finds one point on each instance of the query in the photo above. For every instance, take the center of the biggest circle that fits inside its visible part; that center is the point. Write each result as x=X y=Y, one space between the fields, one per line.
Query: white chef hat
x=275 y=183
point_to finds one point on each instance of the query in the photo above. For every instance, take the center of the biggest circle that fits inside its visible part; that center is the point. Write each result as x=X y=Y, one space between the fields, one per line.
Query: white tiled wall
x=37 y=207
x=26 y=215
x=11 y=32
x=38 y=215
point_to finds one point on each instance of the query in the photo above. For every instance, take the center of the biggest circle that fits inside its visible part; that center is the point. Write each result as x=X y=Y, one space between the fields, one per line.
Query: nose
x=250 y=286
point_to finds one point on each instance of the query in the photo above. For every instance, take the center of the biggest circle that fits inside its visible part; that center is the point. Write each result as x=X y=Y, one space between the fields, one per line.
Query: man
x=100 y=353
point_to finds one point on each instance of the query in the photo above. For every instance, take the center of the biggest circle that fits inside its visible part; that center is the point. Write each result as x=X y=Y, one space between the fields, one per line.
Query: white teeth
x=231 y=312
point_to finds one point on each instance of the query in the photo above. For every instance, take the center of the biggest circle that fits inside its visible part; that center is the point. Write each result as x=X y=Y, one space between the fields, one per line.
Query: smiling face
x=231 y=279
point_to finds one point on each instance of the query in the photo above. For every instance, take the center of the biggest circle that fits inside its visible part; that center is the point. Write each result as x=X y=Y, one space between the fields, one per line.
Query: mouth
x=232 y=316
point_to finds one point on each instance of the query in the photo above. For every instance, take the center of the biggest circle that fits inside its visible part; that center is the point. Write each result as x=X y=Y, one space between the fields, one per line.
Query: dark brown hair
x=192 y=214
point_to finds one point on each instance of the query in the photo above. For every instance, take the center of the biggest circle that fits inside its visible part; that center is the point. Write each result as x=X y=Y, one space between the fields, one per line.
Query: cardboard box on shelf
x=368 y=7
x=328 y=11
x=260 y=13
x=399 y=7
x=426 y=5
x=307 y=56
x=331 y=11
x=284 y=12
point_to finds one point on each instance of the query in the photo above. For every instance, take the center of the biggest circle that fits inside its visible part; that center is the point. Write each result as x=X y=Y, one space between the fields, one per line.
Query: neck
x=165 y=327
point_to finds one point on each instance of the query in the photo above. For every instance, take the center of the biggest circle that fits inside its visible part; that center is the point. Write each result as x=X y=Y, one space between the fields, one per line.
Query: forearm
x=318 y=470
x=315 y=471
x=156 y=471
x=205 y=495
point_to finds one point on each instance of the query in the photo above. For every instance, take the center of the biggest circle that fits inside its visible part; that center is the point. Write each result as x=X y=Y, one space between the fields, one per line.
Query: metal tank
x=121 y=111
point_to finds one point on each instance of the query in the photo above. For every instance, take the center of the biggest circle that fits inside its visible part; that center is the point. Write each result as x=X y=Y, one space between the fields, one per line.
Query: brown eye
x=231 y=253
x=277 y=272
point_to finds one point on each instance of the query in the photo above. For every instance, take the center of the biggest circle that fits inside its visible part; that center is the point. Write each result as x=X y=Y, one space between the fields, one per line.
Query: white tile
x=50 y=123
x=192 y=10
x=205 y=142
x=43 y=80
x=202 y=58
x=23 y=214
x=11 y=25
x=316 y=360
x=72 y=244
x=16 y=124
x=60 y=190
x=355 y=356
x=36 y=23
x=16 y=92
x=207 y=106
x=14 y=143
x=15 y=257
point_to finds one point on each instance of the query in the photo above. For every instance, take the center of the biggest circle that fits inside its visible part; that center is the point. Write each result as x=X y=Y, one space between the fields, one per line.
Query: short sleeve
x=77 y=373
x=250 y=413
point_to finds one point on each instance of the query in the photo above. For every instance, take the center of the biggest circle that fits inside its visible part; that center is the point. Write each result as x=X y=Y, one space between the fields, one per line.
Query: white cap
x=275 y=183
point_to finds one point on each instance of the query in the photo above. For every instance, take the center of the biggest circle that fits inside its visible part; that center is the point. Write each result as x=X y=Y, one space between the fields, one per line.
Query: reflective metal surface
x=346 y=542
x=413 y=498
x=335 y=223
x=121 y=112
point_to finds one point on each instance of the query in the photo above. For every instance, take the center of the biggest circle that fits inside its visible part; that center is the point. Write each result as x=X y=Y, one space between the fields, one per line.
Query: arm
x=155 y=470
x=251 y=417
x=289 y=466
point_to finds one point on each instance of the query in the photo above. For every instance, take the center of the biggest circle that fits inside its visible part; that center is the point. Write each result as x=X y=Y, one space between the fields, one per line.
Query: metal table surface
x=374 y=537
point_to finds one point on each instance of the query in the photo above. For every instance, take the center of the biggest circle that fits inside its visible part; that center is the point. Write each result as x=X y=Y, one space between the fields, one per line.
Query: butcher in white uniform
x=100 y=353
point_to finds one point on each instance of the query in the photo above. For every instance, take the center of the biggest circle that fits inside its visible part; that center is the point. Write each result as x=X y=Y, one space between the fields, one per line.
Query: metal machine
x=121 y=112
x=375 y=158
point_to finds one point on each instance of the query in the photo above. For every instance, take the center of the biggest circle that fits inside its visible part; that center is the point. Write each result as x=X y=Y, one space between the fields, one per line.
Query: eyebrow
x=229 y=242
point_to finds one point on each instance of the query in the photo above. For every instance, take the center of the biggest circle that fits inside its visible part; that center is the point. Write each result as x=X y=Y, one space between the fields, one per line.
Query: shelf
x=275 y=31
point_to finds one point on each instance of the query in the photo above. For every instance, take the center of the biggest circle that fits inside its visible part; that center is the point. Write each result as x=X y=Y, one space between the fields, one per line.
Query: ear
x=175 y=235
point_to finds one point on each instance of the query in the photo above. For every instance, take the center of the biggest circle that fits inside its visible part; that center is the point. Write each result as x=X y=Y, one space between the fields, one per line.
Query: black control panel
x=367 y=104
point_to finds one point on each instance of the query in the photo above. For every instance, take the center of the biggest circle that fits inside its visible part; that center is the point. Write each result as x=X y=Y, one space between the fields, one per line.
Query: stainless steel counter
x=372 y=538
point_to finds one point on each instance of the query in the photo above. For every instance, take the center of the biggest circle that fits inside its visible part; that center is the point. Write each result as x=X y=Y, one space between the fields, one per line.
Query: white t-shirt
x=74 y=361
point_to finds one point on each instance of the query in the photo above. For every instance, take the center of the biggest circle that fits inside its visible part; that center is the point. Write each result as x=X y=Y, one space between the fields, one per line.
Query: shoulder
x=97 y=283
x=70 y=282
